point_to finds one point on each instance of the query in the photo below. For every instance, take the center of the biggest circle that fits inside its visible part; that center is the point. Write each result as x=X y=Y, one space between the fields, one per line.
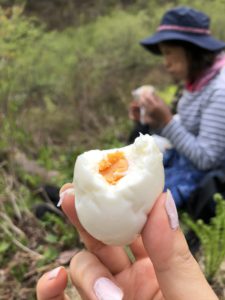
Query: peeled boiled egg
x=115 y=189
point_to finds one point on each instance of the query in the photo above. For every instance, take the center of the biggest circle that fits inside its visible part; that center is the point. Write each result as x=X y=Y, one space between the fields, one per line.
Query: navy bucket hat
x=183 y=24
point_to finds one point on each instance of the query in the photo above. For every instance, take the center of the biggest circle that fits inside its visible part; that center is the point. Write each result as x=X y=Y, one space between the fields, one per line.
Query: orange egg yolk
x=113 y=167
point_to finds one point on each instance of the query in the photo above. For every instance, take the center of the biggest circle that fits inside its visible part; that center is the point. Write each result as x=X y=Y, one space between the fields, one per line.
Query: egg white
x=115 y=214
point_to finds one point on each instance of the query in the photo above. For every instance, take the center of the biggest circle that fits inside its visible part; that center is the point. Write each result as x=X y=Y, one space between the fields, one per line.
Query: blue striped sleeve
x=206 y=149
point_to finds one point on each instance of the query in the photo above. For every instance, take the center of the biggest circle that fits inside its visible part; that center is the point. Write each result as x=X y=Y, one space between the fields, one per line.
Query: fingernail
x=54 y=273
x=171 y=211
x=62 y=195
x=105 y=289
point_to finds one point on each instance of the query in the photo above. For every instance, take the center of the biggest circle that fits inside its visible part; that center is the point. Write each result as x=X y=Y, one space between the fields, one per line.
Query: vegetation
x=66 y=84
x=212 y=237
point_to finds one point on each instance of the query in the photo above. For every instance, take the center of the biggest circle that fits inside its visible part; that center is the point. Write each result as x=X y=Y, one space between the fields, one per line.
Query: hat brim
x=203 y=41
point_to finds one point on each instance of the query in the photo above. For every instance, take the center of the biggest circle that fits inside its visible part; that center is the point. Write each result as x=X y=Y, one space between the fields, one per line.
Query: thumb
x=177 y=271
x=51 y=285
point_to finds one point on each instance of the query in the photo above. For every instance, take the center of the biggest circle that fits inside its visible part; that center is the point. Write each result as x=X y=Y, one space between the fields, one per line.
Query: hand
x=134 y=111
x=159 y=114
x=163 y=269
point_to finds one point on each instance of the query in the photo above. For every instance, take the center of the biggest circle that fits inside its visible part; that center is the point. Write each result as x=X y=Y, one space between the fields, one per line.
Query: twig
x=9 y=222
x=19 y=244
x=15 y=206
x=12 y=198
x=39 y=270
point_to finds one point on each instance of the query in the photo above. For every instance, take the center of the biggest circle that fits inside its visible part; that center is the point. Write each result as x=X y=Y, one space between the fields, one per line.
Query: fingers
x=138 y=249
x=134 y=111
x=105 y=253
x=149 y=100
x=177 y=271
x=51 y=285
x=92 y=279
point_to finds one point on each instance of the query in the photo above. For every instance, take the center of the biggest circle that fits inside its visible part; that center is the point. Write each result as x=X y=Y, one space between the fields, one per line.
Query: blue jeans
x=181 y=176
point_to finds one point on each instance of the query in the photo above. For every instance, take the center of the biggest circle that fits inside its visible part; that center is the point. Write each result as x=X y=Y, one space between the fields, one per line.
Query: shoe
x=40 y=210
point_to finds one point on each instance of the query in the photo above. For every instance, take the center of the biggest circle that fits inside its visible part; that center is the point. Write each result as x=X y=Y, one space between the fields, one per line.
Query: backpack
x=201 y=204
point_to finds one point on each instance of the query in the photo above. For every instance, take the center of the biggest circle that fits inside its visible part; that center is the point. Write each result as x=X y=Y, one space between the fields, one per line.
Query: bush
x=84 y=73
x=212 y=237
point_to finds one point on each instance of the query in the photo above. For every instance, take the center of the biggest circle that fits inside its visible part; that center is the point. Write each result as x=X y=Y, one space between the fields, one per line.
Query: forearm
x=199 y=151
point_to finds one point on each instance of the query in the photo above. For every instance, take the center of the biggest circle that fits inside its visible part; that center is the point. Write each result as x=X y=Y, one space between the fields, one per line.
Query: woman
x=192 y=56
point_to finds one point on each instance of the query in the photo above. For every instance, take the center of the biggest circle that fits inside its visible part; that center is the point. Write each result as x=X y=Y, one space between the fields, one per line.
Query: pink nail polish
x=62 y=195
x=171 y=211
x=105 y=289
x=54 y=273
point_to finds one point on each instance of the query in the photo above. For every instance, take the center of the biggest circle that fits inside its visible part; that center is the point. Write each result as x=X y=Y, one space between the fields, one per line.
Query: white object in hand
x=140 y=93
x=115 y=189
x=142 y=115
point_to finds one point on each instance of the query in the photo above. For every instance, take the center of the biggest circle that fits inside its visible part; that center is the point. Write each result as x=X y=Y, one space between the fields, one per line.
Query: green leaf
x=51 y=238
x=4 y=246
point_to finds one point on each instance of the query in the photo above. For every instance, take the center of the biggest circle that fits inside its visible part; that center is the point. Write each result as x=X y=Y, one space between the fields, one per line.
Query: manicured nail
x=105 y=289
x=171 y=211
x=62 y=195
x=54 y=273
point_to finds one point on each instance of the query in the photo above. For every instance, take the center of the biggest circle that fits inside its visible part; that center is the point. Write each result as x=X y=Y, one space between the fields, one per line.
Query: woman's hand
x=159 y=114
x=134 y=111
x=163 y=268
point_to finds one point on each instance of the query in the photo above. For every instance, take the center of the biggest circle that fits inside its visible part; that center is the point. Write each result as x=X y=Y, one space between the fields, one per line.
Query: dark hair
x=199 y=59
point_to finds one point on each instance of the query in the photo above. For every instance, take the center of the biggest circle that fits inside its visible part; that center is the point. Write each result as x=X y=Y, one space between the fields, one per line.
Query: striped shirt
x=199 y=132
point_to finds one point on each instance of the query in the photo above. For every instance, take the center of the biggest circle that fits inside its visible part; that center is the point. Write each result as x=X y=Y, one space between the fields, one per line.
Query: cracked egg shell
x=115 y=189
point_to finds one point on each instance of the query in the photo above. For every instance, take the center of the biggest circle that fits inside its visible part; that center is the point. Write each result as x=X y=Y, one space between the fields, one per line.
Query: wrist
x=167 y=120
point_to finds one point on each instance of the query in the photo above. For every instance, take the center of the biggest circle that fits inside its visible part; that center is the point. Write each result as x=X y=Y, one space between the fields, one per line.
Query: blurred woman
x=197 y=132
